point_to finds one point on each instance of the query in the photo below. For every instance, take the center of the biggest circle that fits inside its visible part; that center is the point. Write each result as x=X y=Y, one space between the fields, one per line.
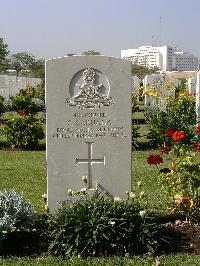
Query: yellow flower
x=172 y=166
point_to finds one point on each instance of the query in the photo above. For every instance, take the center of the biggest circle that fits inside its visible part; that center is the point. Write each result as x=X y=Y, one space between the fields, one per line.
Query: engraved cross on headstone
x=90 y=161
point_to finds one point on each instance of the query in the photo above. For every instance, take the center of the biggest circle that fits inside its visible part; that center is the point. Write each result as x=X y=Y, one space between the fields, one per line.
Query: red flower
x=198 y=129
x=164 y=149
x=197 y=146
x=169 y=132
x=154 y=159
x=178 y=135
x=192 y=94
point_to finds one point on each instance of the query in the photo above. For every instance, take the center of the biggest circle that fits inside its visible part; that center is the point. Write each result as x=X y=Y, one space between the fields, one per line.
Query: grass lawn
x=179 y=260
x=24 y=171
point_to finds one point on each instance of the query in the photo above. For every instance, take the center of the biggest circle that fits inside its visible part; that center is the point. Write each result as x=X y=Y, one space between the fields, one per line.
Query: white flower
x=84 y=178
x=117 y=199
x=111 y=222
x=142 y=214
x=139 y=184
x=70 y=192
x=84 y=190
x=96 y=186
x=141 y=194
x=132 y=195
x=44 y=196
x=46 y=207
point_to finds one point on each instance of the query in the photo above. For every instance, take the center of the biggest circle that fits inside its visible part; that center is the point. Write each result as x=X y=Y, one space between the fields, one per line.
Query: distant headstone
x=156 y=90
x=88 y=102
x=191 y=82
x=136 y=86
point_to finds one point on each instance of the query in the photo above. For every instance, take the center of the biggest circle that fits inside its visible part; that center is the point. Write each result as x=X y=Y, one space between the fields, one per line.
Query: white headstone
x=136 y=86
x=88 y=102
x=191 y=82
x=156 y=84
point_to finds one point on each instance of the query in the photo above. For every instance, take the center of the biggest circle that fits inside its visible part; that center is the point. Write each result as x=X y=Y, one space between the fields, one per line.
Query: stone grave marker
x=136 y=86
x=157 y=81
x=88 y=101
x=191 y=82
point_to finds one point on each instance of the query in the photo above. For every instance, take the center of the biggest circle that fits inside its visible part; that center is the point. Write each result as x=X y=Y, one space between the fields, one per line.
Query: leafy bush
x=180 y=114
x=16 y=214
x=98 y=226
x=1 y=105
x=23 y=132
x=24 y=103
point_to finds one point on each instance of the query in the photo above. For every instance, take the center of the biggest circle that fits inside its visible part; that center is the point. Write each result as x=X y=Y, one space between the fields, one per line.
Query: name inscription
x=89 y=126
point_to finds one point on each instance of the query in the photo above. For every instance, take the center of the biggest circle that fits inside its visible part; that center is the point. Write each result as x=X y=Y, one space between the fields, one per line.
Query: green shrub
x=180 y=114
x=23 y=132
x=24 y=103
x=98 y=226
x=1 y=105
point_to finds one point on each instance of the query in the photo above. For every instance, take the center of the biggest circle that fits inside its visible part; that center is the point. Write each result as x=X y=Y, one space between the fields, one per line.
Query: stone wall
x=10 y=83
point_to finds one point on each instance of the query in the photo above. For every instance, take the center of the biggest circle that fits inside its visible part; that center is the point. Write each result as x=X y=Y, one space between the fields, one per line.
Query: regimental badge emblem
x=92 y=93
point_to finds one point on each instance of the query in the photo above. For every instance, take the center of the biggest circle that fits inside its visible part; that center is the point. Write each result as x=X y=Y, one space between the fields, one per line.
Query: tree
x=21 y=61
x=142 y=71
x=91 y=52
x=3 y=50
x=27 y=61
x=38 y=68
x=4 y=63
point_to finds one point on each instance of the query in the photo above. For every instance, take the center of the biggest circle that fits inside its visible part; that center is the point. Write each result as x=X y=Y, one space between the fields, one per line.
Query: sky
x=53 y=28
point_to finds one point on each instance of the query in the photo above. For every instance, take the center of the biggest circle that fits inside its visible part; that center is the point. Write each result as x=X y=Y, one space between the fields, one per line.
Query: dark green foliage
x=91 y=52
x=1 y=105
x=24 y=104
x=3 y=50
x=158 y=124
x=40 y=92
x=142 y=71
x=4 y=64
x=97 y=226
x=23 y=132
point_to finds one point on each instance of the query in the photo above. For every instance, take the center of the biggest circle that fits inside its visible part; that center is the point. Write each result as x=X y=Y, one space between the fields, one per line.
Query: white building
x=184 y=61
x=165 y=58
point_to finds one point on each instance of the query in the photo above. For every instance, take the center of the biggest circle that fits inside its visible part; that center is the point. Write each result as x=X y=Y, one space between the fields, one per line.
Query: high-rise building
x=166 y=58
x=182 y=61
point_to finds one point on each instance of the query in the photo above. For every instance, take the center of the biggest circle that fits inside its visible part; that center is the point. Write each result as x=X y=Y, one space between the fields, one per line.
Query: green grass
x=179 y=260
x=146 y=174
x=24 y=171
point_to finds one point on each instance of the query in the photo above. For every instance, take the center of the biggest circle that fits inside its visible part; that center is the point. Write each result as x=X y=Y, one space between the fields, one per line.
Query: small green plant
x=97 y=226
x=23 y=132
x=16 y=214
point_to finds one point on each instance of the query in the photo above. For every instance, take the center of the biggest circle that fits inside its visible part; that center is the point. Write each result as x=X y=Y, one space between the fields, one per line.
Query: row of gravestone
x=89 y=124
x=157 y=81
